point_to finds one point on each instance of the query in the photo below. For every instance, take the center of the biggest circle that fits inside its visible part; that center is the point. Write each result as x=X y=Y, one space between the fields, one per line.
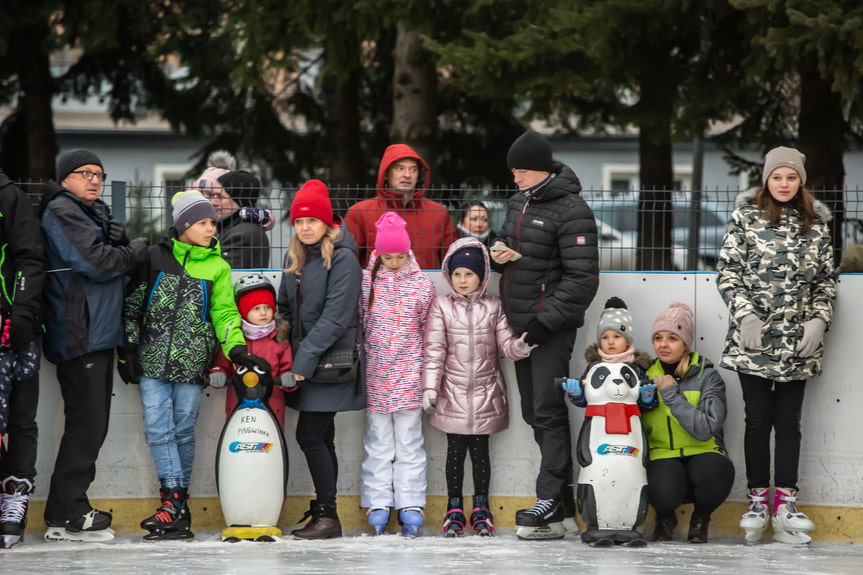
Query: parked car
x=621 y=214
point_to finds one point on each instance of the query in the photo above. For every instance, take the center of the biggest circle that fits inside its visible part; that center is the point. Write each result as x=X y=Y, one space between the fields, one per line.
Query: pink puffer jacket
x=463 y=339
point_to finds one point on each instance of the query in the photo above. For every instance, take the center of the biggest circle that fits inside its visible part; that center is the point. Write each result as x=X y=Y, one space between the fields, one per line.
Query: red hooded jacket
x=429 y=224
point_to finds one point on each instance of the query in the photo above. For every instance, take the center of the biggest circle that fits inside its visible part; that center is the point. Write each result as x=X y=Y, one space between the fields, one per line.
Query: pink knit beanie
x=677 y=319
x=392 y=235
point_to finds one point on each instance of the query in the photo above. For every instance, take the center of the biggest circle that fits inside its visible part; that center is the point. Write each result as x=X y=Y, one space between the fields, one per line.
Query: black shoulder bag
x=337 y=364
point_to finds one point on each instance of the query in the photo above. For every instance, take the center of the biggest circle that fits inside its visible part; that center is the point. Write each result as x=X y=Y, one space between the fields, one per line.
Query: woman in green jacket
x=688 y=461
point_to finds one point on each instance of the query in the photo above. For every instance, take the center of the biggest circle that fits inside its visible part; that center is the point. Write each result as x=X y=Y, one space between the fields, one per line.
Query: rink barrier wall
x=831 y=491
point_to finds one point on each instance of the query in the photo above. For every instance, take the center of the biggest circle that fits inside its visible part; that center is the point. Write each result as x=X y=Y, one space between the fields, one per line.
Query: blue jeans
x=170 y=412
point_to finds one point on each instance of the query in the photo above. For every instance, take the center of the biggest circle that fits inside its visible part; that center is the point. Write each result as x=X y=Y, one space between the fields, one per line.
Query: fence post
x=118 y=200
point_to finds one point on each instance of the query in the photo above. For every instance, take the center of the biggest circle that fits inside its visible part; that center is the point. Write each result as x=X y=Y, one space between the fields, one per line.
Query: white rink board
x=830 y=460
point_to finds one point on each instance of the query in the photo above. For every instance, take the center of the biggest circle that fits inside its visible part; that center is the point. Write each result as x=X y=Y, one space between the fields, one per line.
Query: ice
x=432 y=553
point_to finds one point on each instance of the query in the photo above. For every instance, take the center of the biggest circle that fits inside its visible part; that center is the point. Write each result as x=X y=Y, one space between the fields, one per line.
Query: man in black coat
x=22 y=270
x=547 y=252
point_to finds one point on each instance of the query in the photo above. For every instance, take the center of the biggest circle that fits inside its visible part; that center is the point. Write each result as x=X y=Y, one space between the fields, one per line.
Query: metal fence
x=688 y=225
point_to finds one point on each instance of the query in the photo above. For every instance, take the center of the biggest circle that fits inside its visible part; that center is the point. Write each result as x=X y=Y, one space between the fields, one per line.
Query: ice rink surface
x=432 y=553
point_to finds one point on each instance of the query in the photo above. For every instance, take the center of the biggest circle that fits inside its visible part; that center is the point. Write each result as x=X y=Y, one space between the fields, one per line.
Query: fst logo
x=249 y=446
x=608 y=449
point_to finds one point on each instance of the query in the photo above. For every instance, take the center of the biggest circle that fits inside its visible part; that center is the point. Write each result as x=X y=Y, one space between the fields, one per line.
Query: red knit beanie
x=313 y=201
x=250 y=299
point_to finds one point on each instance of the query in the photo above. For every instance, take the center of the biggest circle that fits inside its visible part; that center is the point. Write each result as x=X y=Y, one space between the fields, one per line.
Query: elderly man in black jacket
x=547 y=251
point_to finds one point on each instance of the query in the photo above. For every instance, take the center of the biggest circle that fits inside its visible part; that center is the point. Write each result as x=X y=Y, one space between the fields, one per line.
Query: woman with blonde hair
x=318 y=296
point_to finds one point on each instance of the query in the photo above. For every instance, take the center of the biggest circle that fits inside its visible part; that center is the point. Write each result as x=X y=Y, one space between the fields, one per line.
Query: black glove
x=537 y=333
x=240 y=355
x=128 y=364
x=117 y=232
x=20 y=329
x=138 y=246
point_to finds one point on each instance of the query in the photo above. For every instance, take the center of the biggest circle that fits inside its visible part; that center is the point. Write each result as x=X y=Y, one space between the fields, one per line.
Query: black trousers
x=705 y=479
x=772 y=408
x=543 y=408
x=457 y=447
x=316 y=432
x=18 y=458
x=86 y=384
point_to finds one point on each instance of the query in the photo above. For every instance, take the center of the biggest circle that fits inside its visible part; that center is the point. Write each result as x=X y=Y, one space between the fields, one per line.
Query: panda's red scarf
x=616 y=416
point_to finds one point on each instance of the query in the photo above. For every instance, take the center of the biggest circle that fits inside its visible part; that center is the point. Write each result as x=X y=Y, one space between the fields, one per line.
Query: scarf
x=616 y=416
x=254 y=332
x=627 y=356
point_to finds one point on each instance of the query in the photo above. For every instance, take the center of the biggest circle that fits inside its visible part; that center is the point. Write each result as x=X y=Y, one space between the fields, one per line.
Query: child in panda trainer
x=394 y=302
x=615 y=344
x=463 y=384
x=267 y=336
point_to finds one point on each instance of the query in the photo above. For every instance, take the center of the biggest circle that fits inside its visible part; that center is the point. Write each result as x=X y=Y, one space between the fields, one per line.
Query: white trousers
x=394 y=468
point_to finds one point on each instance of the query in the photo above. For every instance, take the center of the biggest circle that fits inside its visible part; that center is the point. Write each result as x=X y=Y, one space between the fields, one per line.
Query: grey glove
x=429 y=400
x=522 y=347
x=813 y=334
x=117 y=232
x=218 y=379
x=750 y=331
x=289 y=382
x=138 y=247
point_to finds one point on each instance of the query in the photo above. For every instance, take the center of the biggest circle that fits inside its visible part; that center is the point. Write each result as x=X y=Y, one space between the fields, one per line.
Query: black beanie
x=530 y=151
x=471 y=258
x=71 y=160
x=243 y=187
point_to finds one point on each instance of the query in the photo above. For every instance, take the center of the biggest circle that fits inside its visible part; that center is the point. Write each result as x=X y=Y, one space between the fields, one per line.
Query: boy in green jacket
x=179 y=306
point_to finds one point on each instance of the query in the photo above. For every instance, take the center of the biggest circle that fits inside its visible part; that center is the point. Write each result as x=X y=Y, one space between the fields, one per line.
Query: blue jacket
x=83 y=295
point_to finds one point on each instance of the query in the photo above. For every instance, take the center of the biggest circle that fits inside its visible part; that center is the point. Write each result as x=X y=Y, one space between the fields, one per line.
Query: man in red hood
x=403 y=177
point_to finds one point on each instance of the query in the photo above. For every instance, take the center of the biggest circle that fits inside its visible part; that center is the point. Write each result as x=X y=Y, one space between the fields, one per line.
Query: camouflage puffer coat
x=784 y=277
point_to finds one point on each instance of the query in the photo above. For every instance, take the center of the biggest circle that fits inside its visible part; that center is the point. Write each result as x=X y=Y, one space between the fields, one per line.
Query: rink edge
x=834 y=524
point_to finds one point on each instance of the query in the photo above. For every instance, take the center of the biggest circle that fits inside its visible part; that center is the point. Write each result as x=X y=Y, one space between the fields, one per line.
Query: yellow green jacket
x=690 y=415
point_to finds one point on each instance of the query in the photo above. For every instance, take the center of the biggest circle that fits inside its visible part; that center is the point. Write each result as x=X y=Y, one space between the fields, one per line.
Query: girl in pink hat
x=395 y=300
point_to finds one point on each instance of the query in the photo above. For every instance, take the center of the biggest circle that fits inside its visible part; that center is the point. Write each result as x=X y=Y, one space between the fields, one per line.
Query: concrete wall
x=830 y=468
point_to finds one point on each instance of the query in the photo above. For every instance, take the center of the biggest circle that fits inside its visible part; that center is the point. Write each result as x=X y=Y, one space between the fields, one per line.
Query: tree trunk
x=34 y=102
x=822 y=139
x=414 y=89
x=655 y=171
x=341 y=89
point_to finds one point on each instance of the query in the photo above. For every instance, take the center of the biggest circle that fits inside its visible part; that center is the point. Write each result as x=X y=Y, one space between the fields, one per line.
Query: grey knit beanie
x=787 y=157
x=617 y=318
x=190 y=207
x=71 y=160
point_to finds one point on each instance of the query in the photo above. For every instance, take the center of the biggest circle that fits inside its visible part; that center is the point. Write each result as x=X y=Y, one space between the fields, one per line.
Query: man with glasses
x=87 y=254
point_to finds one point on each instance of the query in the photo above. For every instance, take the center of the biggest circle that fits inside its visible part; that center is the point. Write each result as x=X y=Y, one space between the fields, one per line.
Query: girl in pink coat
x=463 y=386
x=395 y=299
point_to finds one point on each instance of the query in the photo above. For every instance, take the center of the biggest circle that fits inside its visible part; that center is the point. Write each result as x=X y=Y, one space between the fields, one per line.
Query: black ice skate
x=542 y=521
x=172 y=520
x=13 y=509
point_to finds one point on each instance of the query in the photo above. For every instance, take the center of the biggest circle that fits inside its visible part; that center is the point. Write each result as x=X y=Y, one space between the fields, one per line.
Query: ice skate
x=789 y=525
x=411 y=519
x=454 y=520
x=481 y=517
x=13 y=509
x=754 y=521
x=93 y=526
x=570 y=527
x=172 y=520
x=542 y=521
x=378 y=518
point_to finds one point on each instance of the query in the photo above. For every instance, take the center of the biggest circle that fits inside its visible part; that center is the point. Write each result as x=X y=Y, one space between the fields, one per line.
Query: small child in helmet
x=614 y=345
x=267 y=336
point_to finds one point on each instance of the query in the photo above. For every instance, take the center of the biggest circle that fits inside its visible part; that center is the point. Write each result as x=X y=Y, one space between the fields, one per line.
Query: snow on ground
x=363 y=554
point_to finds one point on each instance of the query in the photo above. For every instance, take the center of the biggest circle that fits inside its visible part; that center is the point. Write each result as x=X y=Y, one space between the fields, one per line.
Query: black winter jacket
x=244 y=244
x=22 y=263
x=558 y=274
